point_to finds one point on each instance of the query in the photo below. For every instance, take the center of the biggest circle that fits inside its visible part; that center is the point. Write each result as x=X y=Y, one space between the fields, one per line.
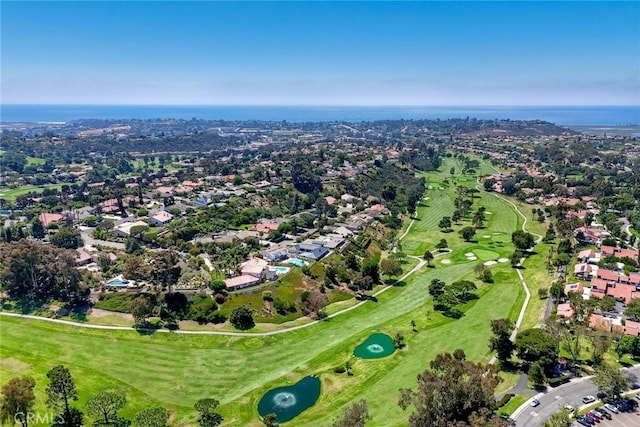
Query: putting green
x=485 y=255
x=375 y=347
x=288 y=402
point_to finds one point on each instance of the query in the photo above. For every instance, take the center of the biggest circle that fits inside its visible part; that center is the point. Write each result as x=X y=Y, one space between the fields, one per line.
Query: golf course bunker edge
x=290 y=401
x=375 y=346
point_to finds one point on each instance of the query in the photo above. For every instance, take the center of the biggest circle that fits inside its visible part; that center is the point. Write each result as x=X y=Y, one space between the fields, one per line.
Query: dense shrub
x=119 y=301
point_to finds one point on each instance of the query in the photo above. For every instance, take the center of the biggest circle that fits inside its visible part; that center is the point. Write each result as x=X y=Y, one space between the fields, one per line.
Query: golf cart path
x=525 y=304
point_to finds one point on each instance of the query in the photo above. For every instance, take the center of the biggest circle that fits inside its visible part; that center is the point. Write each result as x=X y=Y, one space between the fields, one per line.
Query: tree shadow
x=399 y=283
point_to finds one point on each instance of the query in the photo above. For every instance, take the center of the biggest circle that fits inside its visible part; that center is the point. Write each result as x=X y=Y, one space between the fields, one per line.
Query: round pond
x=376 y=346
x=288 y=402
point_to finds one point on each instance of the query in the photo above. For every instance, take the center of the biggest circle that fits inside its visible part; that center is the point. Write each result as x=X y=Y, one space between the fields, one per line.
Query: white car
x=611 y=408
x=588 y=399
x=535 y=402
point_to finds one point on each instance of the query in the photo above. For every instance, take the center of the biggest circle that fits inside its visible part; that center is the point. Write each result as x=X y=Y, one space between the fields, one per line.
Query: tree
x=515 y=258
x=627 y=345
x=451 y=392
x=136 y=268
x=633 y=310
x=501 y=341
x=442 y=244
x=17 y=400
x=445 y=224
x=428 y=256
x=132 y=246
x=142 y=307
x=208 y=416
x=105 y=406
x=67 y=238
x=600 y=343
x=467 y=233
x=536 y=373
x=398 y=340
x=61 y=390
x=370 y=269
x=270 y=420
x=390 y=267
x=164 y=269
x=436 y=289
x=75 y=418
x=610 y=380
x=37 y=229
x=355 y=415
x=562 y=418
x=304 y=180
x=489 y=184
x=242 y=318
x=536 y=345
x=522 y=240
x=478 y=219
x=152 y=417
x=39 y=272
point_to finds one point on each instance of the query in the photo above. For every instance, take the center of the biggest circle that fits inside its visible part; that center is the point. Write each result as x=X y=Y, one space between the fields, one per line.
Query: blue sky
x=321 y=53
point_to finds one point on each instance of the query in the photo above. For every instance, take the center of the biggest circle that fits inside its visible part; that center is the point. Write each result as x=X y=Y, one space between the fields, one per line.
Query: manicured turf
x=10 y=194
x=175 y=370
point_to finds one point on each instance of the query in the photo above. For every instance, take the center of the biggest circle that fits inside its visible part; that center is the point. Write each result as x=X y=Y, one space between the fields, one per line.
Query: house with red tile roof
x=631 y=328
x=619 y=252
x=622 y=291
x=48 y=218
x=565 y=310
x=573 y=287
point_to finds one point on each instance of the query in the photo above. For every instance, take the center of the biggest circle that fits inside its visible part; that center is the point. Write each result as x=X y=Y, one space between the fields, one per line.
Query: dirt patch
x=98 y=313
x=14 y=365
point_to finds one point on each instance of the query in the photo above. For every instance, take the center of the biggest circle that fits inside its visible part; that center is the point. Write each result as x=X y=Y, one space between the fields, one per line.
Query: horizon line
x=316 y=105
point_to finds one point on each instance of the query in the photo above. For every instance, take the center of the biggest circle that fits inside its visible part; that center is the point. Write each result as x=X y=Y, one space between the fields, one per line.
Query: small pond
x=288 y=402
x=376 y=346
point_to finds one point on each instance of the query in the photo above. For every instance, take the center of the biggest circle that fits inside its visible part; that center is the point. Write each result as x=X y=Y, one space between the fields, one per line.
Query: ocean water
x=562 y=115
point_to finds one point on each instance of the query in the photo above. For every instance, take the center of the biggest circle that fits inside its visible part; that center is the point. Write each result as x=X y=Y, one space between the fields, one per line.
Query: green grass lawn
x=10 y=194
x=175 y=370
x=37 y=161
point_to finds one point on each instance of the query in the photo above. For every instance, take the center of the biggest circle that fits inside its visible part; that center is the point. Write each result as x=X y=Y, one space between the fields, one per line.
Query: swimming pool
x=281 y=270
x=118 y=282
x=296 y=262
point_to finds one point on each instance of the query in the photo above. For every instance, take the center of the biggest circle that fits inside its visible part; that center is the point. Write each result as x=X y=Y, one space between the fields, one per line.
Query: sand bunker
x=488 y=263
x=472 y=258
x=468 y=254
x=446 y=261
x=486 y=236
x=503 y=260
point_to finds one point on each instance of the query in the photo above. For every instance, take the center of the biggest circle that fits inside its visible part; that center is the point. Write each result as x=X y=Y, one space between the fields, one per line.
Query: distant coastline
x=561 y=115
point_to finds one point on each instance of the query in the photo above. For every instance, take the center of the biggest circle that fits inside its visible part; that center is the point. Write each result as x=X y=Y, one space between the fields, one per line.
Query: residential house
x=275 y=253
x=619 y=252
x=565 y=310
x=160 y=218
x=124 y=229
x=240 y=282
x=48 y=218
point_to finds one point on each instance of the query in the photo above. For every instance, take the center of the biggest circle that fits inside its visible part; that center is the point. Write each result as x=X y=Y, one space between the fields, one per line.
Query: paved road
x=90 y=241
x=555 y=398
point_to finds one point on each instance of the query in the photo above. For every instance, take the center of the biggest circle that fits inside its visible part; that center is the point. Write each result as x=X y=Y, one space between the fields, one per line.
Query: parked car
x=602 y=413
x=588 y=422
x=611 y=408
x=595 y=416
x=588 y=399
x=535 y=402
